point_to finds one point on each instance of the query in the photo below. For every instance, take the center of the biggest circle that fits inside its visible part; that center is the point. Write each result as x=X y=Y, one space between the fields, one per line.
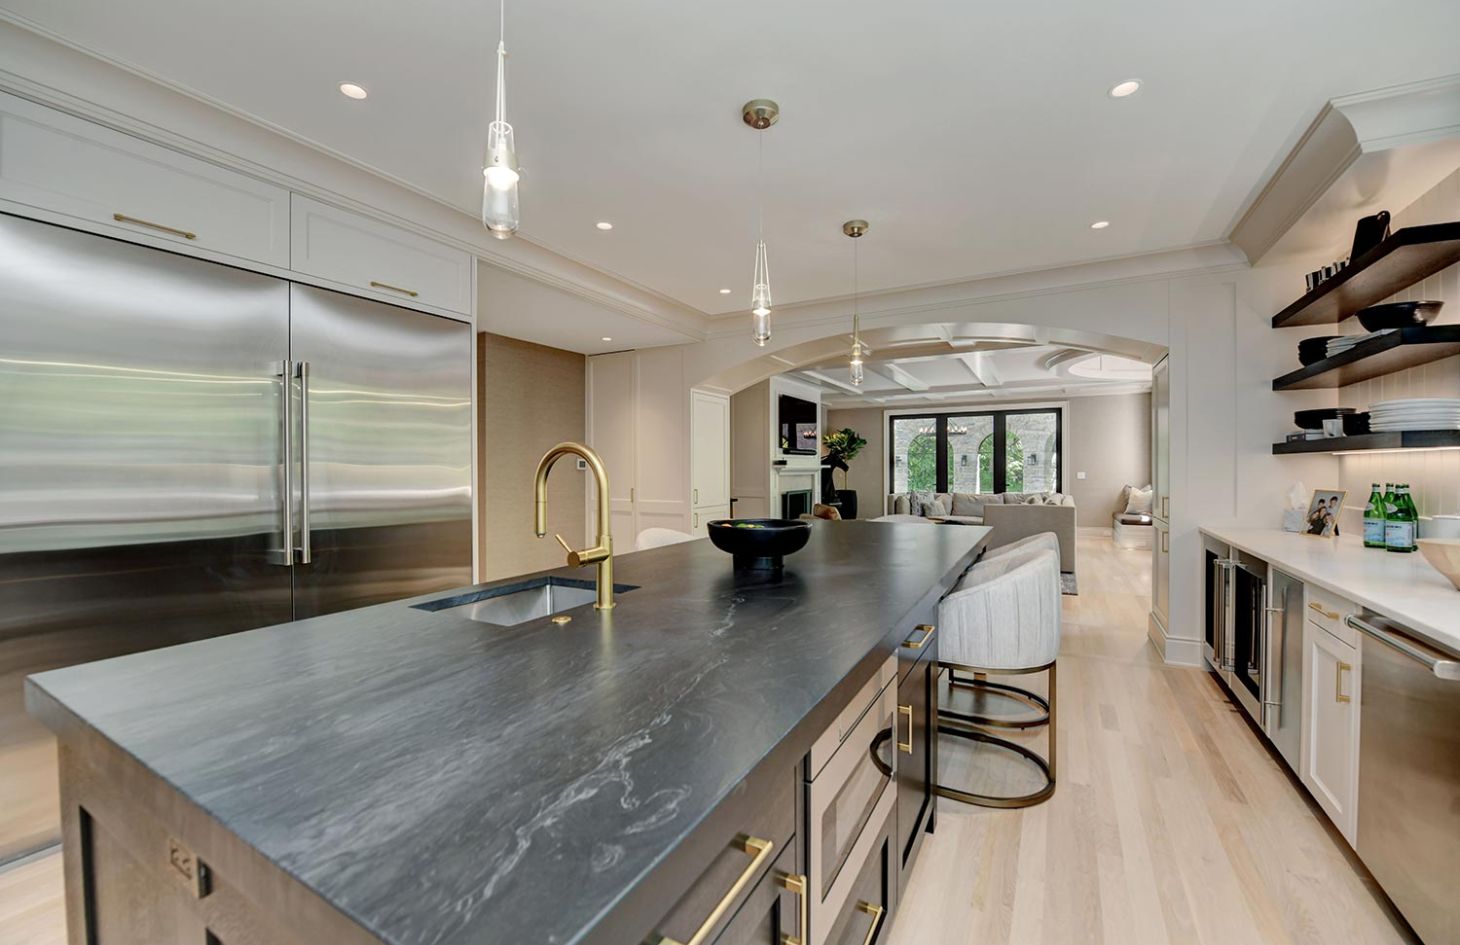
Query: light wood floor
x=1170 y=822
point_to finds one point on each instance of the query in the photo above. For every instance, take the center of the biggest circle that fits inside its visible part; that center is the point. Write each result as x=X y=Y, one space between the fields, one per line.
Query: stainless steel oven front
x=850 y=794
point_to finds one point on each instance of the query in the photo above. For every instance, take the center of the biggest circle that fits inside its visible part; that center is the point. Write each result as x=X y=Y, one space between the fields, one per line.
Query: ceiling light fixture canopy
x=499 y=188
x=855 y=229
x=760 y=114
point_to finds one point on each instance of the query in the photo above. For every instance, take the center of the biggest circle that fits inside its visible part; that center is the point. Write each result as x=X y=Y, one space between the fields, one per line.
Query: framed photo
x=1324 y=510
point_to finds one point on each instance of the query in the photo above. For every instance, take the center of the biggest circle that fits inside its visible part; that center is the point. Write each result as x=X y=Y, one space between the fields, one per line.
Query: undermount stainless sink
x=515 y=604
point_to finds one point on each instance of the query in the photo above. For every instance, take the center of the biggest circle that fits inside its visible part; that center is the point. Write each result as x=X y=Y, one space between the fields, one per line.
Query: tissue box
x=1294 y=520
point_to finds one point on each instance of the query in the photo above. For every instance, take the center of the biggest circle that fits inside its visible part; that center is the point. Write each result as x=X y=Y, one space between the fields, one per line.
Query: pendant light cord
x=760 y=191
x=856 y=271
x=502 y=65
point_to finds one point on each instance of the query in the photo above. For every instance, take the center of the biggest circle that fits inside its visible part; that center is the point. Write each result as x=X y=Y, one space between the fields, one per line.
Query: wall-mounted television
x=798 y=421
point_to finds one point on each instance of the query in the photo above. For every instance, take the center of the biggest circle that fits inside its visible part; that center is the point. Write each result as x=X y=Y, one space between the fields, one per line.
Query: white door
x=612 y=387
x=1161 y=441
x=661 y=499
x=1330 y=725
x=1161 y=573
x=709 y=426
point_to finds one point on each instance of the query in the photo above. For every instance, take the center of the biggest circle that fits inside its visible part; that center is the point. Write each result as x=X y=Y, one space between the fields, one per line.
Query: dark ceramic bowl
x=1398 y=315
x=759 y=544
x=1355 y=424
x=1315 y=349
x=1313 y=419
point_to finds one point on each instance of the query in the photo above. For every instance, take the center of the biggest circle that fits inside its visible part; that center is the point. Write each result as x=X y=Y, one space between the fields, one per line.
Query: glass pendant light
x=499 y=185
x=760 y=114
x=855 y=229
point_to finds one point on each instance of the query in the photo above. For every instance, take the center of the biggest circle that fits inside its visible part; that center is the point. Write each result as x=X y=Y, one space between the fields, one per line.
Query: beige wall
x=531 y=398
x=1109 y=439
x=864 y=474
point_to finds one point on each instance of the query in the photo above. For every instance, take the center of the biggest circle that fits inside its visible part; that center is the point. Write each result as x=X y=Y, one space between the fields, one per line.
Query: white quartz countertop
x=1402 y=587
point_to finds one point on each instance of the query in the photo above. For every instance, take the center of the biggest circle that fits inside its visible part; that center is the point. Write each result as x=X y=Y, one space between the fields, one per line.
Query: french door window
x=990 y=451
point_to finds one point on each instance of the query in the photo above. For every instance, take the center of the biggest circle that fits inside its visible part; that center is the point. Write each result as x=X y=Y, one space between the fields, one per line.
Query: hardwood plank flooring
x=32 y=906
x=1171 y=823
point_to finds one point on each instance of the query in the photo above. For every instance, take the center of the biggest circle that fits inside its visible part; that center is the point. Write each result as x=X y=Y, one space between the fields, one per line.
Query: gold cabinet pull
x=123 y=218
x=393 y=288
x=697 y=497
x=1338 y=694
x=876 y=912
x=759 y=850
x=906 y=746
x=1314 y=605
x=927 y=629
x=1165 y=542
x=796 y=883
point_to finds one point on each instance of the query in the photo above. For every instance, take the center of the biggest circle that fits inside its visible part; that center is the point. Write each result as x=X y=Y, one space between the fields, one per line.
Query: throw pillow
x=901 y=506
x=1139 y=502
x=918 y=502
x=1124 y=501
x=936 y=509
x=988 y=498
x=966 y=503
x=828 y=512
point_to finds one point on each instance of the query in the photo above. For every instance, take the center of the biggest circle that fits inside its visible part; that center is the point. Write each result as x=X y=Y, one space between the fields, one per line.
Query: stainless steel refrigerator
x=189 y=450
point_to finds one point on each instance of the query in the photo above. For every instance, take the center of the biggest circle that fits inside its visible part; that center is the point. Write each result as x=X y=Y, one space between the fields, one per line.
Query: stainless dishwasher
x=1409 y=775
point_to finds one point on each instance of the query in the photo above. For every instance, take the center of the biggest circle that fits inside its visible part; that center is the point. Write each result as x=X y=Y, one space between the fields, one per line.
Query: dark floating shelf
x=1403 y=259
x=1393 y=351
x=1412 y=440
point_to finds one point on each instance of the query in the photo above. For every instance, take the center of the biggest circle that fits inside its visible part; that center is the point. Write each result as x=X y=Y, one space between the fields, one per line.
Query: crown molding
x=895 y=304
x=1362 y=152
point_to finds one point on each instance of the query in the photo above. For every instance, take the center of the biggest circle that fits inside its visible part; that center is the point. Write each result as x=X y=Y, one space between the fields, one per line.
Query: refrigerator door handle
x=306 y=553
x=284 y=554
x=1272 y=670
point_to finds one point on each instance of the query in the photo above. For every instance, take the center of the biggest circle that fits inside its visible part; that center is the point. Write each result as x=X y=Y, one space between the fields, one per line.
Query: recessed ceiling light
x=604 y=225
x=607 y=338
x=351 y=90
x=724 y=291
x=1099 y=224
x=1126 y=88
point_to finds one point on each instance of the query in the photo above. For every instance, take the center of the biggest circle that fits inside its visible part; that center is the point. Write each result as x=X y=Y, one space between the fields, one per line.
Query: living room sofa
x=1011 y=515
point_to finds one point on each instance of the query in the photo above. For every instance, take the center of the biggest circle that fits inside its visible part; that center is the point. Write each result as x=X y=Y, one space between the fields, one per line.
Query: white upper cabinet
x=378 y=259
x=101 y=180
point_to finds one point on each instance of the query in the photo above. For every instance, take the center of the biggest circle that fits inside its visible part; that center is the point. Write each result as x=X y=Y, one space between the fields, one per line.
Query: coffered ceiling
x=932 y=374
x=976 y=138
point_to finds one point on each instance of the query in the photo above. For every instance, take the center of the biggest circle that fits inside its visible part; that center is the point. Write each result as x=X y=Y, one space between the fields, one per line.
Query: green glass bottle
x=1399 y=527
x=1374 y=518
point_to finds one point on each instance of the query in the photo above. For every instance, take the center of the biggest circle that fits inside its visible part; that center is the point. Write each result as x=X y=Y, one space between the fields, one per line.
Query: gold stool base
x=1032 y=699
x=964 y=725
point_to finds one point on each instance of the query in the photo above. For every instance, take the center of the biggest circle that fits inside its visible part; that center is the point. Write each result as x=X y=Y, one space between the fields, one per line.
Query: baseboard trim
x=1175 y=651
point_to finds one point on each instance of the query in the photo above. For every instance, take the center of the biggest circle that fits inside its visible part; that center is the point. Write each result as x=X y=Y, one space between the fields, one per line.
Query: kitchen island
x=407 y=775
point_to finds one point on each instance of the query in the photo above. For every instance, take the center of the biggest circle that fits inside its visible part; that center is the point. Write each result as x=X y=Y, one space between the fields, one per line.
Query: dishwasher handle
x=1443 y=668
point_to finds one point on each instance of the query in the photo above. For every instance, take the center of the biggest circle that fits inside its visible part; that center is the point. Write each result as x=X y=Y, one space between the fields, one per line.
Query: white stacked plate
x=1427 y=413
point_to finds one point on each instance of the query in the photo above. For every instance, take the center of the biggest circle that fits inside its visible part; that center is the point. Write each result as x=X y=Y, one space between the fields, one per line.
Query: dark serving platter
x=759 y=544
x=1398 y=315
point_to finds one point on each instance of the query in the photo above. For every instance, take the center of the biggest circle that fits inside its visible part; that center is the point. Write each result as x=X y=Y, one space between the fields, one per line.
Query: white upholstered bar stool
x=979 y=685
x=659 y=537
x=1003 y=618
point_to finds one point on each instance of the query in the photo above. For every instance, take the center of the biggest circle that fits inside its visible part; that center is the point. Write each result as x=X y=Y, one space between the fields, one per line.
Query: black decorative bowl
x=1313 y=419
x=1398 y=315
x=1355 y=424
x=1311 y=350
x=759 y=544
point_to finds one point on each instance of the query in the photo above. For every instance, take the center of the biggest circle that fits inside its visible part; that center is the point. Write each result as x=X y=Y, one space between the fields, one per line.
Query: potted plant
x=842 y=446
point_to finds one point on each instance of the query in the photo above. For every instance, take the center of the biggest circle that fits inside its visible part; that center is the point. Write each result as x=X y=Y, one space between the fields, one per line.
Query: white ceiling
x=921 y=375
x=513 y=305
x=976 y=138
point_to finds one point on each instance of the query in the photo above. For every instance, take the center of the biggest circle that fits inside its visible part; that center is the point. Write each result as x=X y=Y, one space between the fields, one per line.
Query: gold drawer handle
x=876 y=912
x=393 y=288
x=928 y=631
x=123 y=218
x=1314 y=605
x=1338 y=695
x=796 y=883
x=906 y=746
x=759 y=850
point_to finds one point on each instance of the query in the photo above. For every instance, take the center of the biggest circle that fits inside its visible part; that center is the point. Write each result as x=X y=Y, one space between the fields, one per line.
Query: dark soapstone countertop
x=440 y=780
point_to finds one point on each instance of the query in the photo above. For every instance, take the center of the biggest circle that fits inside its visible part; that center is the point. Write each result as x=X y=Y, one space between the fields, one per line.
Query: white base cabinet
x=709 y=459
x=1330 y=755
